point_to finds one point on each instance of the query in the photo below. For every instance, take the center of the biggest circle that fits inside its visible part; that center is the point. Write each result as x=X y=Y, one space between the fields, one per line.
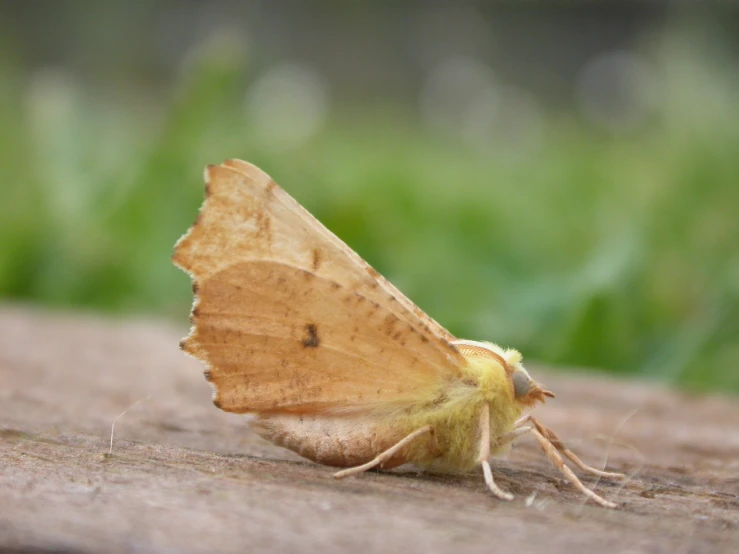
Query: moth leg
x=390 y=452
x=550 y=451
x=559 y=445
x=513 y=435
x=485 y=454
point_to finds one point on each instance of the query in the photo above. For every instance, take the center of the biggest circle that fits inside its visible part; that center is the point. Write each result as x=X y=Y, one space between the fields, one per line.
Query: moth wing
x=289 y=319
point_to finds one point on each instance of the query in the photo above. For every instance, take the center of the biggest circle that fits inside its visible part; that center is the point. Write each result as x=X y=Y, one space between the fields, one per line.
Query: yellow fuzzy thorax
x=456 y=416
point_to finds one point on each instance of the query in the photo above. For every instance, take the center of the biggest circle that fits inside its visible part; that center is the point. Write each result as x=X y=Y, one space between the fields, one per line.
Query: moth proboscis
x=333 y=360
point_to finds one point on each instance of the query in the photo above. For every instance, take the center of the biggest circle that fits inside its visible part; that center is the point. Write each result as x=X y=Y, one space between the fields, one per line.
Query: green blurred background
x=557 y=179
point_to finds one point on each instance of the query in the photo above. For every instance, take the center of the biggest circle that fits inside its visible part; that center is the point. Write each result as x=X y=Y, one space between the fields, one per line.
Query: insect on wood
x=333 y=360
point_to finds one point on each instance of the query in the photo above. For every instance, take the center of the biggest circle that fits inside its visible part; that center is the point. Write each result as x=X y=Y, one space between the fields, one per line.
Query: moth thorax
x=481 y=350
x=508 y=359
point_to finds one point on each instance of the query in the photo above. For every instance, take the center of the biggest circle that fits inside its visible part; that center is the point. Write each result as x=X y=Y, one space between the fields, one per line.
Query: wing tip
x=235 y=165
x=182 y=251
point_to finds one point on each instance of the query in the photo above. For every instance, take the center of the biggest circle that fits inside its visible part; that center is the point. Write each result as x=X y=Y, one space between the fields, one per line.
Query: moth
x=334 y=362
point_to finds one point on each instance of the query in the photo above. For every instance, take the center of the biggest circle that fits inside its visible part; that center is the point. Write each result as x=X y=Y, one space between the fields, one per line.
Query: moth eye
x=521 y=384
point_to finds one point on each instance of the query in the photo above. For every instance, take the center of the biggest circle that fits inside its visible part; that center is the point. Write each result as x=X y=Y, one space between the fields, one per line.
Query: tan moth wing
x=289 y=319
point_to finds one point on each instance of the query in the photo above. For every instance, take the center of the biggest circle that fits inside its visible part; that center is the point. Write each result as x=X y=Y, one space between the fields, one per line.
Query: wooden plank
x=186 y=477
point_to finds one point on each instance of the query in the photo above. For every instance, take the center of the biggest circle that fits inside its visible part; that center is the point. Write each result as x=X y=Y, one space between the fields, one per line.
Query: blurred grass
x=614 y=252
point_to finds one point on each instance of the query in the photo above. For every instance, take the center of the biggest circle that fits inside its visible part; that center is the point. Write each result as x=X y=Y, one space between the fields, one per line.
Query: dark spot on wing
x=354 y=297
x=311 y=339
x=316 y=263
x=388 y=325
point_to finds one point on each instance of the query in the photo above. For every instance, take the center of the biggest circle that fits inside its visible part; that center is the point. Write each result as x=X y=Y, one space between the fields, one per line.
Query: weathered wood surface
x=186 y=477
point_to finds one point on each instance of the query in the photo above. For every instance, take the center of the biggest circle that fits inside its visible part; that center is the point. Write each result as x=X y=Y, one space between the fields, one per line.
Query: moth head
x=525 y=390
